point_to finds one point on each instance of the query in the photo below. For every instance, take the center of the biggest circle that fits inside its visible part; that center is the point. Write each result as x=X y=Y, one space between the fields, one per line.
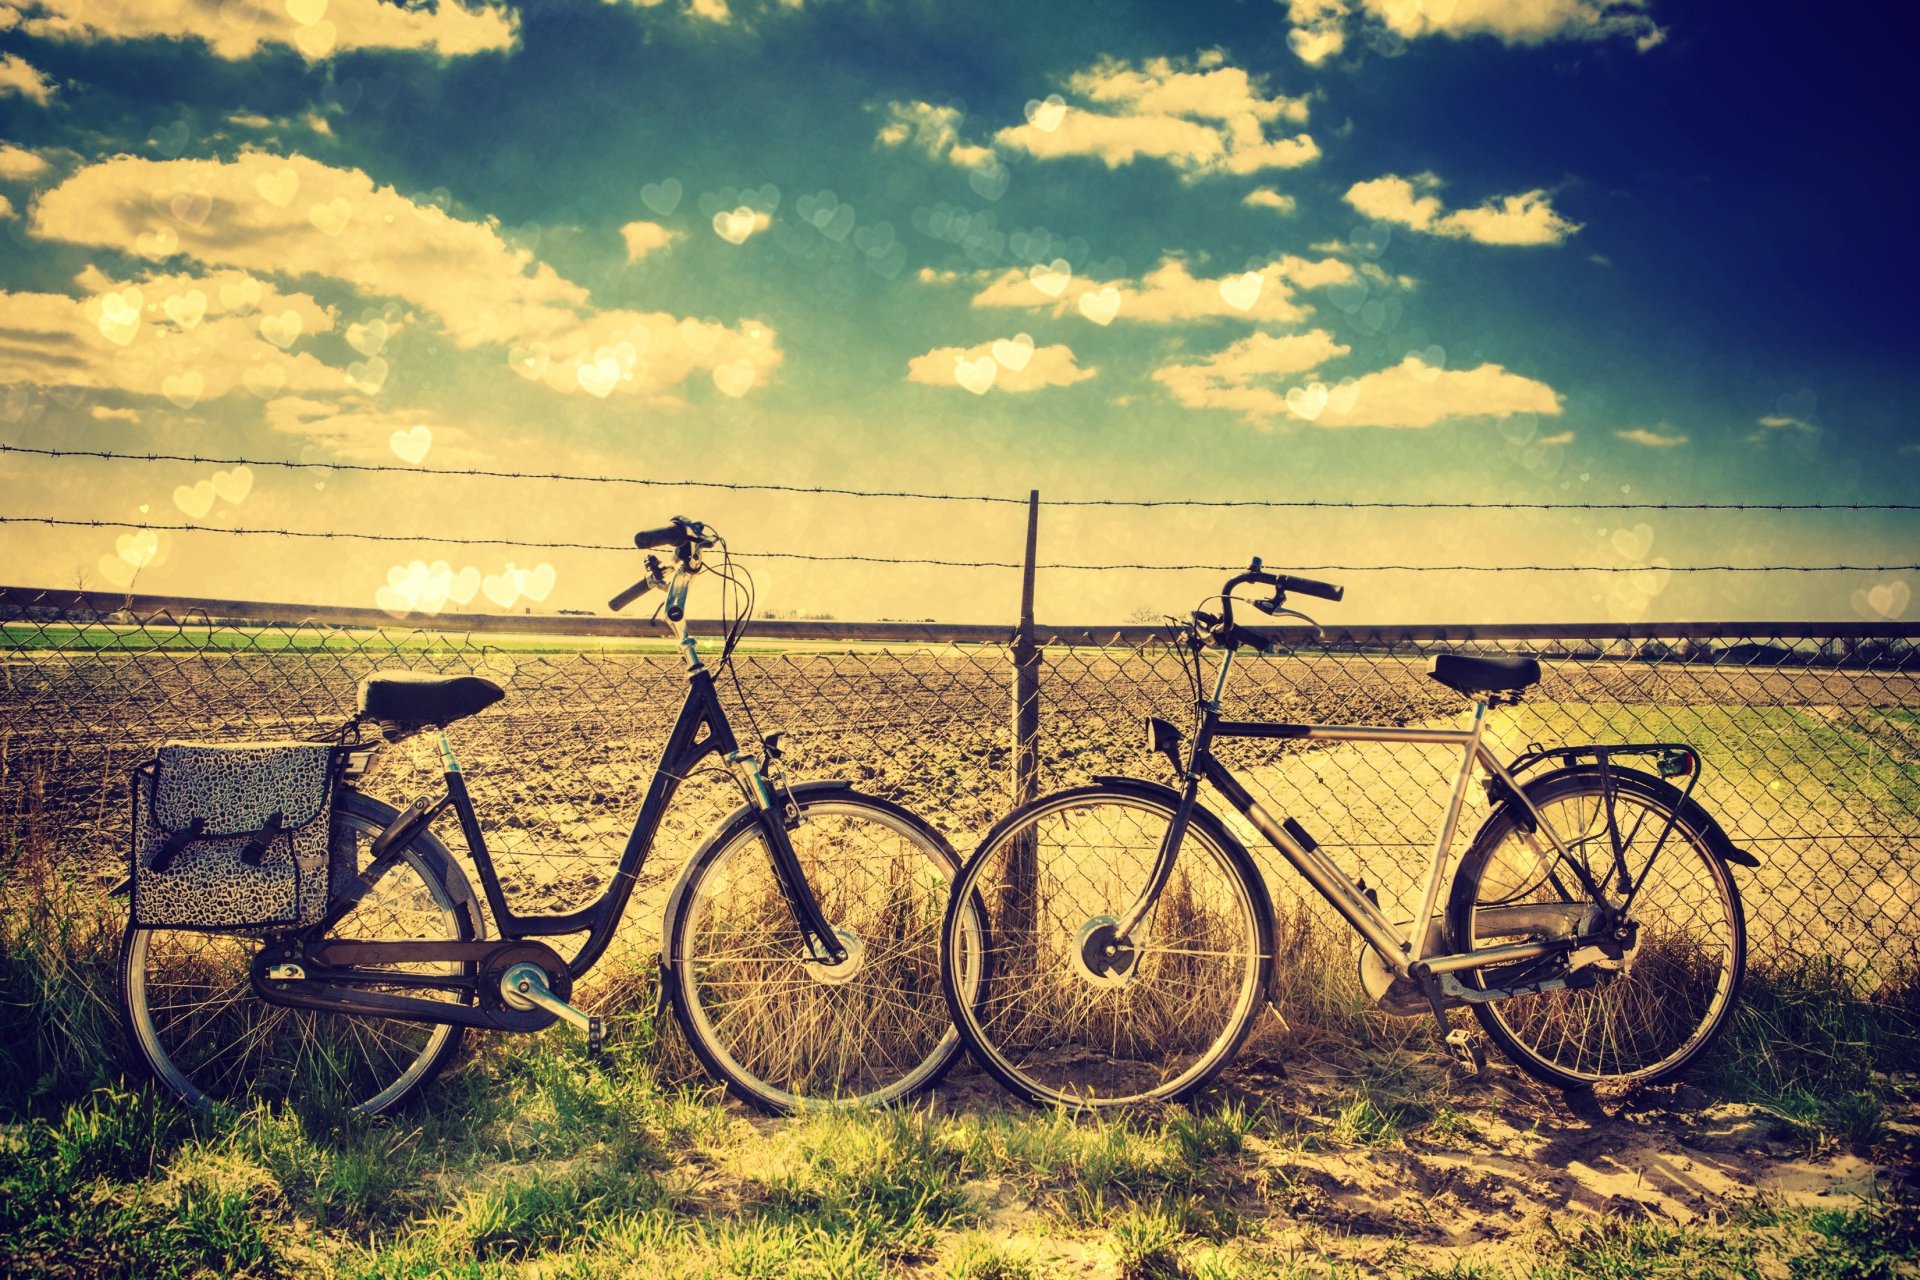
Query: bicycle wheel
x=194 y=1019
x=781 y=1030
x=1055 y=1024
x=1676 y=985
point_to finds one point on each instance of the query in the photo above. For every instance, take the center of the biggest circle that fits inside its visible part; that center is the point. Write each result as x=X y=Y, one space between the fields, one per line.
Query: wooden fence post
x=1019 y=892
x=1026 y=672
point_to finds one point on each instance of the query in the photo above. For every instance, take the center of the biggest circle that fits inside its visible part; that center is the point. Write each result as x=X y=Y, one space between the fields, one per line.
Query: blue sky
x=1542 y=251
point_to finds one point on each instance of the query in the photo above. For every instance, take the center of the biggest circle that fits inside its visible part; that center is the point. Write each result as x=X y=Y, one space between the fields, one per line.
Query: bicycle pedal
x=1470 y=1048
x=596 y=1037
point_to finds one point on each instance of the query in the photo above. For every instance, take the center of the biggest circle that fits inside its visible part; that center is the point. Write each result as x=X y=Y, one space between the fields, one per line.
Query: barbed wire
x=528 y=544
x=833 y=491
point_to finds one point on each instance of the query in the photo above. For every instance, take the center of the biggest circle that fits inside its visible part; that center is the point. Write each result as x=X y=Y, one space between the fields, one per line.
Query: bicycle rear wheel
x=193 y=1017
x=1054 y=1025
x=780 y=1029
x=1679 y=980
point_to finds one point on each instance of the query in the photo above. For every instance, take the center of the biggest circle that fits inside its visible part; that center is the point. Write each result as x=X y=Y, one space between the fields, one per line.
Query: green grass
x=1804 y=1043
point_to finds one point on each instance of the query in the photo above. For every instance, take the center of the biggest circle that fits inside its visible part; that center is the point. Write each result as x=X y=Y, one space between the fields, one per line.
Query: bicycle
x=1593 y=925
x=798 y=947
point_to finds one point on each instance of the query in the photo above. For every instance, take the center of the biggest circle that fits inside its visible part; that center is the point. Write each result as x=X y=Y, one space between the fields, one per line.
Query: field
x=1343 y=1143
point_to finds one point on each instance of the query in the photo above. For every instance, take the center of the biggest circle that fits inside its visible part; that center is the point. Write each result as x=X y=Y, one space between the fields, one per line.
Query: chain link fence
x=1810 y=735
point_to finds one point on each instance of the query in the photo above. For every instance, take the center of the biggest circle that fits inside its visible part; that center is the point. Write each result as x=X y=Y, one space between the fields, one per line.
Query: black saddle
x=414 y=698
x=1470 y=675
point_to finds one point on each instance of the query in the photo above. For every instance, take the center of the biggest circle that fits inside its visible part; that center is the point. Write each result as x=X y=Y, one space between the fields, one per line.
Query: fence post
x=1026 y=671
x=1019 y=894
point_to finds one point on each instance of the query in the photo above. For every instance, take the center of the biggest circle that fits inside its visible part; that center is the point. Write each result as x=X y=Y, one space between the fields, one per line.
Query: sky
x=1548 y=252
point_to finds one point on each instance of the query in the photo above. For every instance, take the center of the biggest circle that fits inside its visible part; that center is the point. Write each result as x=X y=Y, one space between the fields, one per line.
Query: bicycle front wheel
x=1671 y=993
x=193 y=1017
x=1056 y=1017
x=782 y=1030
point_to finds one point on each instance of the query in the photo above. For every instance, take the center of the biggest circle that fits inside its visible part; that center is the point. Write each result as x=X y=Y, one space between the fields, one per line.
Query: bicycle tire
x=195 y=1022
x=784 y=1033
x=1048 y=1029
x=1679 y=982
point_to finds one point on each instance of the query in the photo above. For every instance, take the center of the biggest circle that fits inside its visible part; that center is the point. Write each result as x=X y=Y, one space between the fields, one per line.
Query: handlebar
x=668 y=535
x=1227 y=634
x=1285 y=582
x=631 y=594
x=685 y=538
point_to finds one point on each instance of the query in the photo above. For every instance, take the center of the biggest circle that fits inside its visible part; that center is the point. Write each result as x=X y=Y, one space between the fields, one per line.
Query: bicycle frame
x=1410 y=955
x=701 y=730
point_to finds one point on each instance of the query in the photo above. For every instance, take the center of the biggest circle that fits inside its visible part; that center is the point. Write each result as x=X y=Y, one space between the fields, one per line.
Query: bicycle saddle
x=414 y=698
x=1469 y=675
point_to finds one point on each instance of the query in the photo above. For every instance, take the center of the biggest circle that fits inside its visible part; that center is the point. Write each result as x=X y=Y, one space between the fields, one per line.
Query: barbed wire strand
x=526 y=544
x=749 y=487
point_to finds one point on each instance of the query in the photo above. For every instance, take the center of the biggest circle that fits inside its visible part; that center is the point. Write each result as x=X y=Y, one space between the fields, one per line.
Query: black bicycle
x=799 y=947
x=1593 y=924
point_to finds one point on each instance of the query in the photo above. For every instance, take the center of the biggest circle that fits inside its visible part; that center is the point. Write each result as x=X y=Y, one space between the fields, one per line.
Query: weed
x=980 y=1258
x=1147 y=1244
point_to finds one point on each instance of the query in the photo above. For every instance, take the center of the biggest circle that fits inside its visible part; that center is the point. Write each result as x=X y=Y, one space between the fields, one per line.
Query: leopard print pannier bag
x=232 y=836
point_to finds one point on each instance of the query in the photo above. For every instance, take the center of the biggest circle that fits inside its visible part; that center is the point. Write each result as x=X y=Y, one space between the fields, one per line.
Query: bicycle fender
x=800 y=791
x=1717 y=838
x=438 y=857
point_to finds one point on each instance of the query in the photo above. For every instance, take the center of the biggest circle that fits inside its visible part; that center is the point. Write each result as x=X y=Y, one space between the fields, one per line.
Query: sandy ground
x=1507 y=1163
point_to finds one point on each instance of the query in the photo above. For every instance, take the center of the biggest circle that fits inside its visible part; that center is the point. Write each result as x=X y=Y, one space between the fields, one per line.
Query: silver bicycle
x=1114 y=943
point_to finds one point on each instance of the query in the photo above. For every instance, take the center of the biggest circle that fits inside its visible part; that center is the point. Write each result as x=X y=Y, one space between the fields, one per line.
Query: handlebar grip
x=1310 y=587
x=671 y=535
x=631 y=594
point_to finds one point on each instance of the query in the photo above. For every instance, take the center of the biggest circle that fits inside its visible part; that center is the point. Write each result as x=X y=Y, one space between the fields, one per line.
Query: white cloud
x=235 y=29
x=18 y=77
x=932 y=130
x=643 y=238
x=1200 y=116
x=362 y=434
x=1268 y=198
x=1650 y=439
x=1171 y=292
x=1558 y=437
x=1415 y=394
x=1246 y=376
x=1519 y=22
x=1526 y=219
x=191 y=337
x=715 y=11
x=1777 y=426
x=294 y=216
x=19 y=165
x=7 y=212
x=1006 y=364
x=1321 y=27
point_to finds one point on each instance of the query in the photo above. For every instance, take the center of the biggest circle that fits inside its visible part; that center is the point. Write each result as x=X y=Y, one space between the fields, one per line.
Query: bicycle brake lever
x=1318 y=630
